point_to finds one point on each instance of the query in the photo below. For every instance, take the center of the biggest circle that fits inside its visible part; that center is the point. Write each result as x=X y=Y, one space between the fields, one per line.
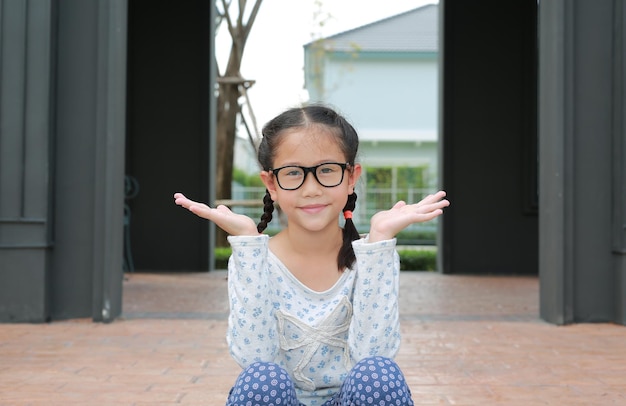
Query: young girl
x=314 y=310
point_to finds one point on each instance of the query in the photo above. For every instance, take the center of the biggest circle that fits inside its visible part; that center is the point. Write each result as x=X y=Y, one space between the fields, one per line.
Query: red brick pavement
x=467 y=340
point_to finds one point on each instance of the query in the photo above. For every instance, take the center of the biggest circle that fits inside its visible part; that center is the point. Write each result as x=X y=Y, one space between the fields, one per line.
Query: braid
x=268 y=209
x=346 y=256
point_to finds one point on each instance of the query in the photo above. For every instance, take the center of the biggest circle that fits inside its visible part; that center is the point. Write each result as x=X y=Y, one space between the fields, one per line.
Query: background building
x=383 y=77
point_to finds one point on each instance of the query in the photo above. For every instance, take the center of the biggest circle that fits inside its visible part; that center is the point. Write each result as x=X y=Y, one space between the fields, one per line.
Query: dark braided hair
x=350 y=233
x=268 y=209
x=348 y=140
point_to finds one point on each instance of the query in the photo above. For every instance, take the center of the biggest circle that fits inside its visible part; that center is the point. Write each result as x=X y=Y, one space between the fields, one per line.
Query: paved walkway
x=467 y=340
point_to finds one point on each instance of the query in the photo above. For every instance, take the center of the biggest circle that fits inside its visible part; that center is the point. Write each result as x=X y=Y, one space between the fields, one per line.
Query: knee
x=262 y=383
x=378 y=379
x=377 y=369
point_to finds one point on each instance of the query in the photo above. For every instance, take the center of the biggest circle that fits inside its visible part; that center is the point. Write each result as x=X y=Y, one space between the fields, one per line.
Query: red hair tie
x=347 y=214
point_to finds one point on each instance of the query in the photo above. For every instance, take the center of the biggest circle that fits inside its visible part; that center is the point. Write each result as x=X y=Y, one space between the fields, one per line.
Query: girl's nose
x=310 y=185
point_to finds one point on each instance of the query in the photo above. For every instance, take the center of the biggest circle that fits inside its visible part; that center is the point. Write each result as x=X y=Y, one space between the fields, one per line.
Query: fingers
x=199 y=209
x=430 y=215
x=434 y=201
x=435 y=197
x=180 y=199
x=435 y=208
x=223 y=209
x=430 y=203
x=207 y=212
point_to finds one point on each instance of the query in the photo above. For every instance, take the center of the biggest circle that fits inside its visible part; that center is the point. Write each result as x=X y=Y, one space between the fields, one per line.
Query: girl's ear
x=270 y=183
x=355 y=174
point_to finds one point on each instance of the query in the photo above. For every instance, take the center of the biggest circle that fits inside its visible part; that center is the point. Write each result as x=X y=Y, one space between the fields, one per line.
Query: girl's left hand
x=386 y=224
x=222 y=216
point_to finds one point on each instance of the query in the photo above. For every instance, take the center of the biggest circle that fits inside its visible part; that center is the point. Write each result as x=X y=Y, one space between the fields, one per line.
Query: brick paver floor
x=467 y=340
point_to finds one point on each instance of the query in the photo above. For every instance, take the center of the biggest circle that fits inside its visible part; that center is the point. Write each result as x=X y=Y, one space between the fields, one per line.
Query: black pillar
x=488 y=137
x=170 y=54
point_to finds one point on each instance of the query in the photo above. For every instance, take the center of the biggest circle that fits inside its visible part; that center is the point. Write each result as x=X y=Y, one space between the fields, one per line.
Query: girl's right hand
x=222 y=216
x=384 y=225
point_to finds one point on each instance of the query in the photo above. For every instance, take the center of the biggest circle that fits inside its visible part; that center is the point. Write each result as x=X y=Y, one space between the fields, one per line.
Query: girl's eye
x=293 y=172
x=328 y=169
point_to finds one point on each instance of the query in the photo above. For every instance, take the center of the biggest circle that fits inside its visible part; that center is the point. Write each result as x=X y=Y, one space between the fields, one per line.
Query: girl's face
x=312 y=206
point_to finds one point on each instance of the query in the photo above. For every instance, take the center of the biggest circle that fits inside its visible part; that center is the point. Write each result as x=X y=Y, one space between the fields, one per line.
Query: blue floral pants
x=372 y=381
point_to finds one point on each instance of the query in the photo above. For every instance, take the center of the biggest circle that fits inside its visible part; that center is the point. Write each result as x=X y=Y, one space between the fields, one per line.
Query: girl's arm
x=375 y=326
x=232 y=223
x=386 y=224
x=251 y=333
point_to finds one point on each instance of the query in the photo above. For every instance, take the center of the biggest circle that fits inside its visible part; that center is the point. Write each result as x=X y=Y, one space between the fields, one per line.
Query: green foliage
x=245 y=179
x=418 y=260
x=221 y=257
x=378 y=177
x=407 y=177
x=412 y=177
x=401 y=179
x=410 y=260
x=409 y=237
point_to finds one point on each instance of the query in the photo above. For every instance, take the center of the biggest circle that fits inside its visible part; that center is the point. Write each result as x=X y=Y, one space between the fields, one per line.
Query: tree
x=231 y=87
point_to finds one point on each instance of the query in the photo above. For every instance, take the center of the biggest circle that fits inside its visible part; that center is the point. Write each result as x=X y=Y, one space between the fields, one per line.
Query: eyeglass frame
x=313 y=170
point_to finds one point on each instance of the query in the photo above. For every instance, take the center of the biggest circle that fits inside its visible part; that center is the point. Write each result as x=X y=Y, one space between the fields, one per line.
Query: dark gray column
x=62 y=115
x=110 y=134
x=581 y=161
x=86 y=263
x=25 y=134
x=619 y=162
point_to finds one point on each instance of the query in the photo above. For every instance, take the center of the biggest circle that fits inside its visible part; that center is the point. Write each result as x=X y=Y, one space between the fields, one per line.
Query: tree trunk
x=228 y=104
x=228 y=109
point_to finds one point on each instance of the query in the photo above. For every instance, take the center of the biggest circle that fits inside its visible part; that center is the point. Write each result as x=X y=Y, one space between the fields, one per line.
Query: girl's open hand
x=386 y=224
x=222 y=216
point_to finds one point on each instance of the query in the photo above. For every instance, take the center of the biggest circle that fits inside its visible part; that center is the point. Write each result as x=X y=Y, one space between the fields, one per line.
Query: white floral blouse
x=315 y=336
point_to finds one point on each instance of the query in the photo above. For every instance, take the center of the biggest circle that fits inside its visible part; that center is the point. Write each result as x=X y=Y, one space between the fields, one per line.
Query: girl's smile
x=313 y=208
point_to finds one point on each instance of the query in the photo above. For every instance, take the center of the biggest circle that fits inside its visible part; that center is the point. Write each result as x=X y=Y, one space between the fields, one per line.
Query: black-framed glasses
x=291 y=177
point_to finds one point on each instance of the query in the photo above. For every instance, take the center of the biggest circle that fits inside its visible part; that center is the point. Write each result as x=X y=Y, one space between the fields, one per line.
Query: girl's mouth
x=313 y=208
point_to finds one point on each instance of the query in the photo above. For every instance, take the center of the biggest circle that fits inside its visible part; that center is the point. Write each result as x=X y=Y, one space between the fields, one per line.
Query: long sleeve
x=251 y=333
x=375 y=327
